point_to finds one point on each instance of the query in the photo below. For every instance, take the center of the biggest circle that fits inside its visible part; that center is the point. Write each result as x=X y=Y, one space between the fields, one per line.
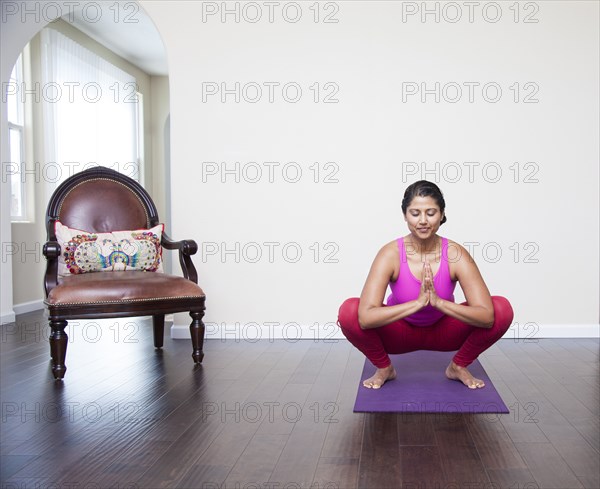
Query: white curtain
x=90 y=111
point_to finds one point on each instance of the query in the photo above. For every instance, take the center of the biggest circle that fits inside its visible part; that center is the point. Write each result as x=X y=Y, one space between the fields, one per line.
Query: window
x=16 y=130
x=91 y=111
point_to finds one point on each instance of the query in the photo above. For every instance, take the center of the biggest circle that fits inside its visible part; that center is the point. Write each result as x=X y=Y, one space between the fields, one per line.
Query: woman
x=422 y=314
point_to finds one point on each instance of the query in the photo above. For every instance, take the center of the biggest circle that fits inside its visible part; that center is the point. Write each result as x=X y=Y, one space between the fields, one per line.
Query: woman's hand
x=423 y=298
x=427 y=286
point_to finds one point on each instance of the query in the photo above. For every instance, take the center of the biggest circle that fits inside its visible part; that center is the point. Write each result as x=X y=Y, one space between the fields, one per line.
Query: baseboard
x=329 y=331
x=7 y=317
x=30 y=306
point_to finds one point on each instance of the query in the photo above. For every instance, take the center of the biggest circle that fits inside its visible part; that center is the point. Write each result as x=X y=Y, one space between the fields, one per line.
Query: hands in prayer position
x=427 y=294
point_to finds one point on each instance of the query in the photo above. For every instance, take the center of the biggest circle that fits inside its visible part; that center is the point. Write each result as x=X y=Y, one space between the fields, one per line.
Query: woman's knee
x=503 y=312
x=348 y=313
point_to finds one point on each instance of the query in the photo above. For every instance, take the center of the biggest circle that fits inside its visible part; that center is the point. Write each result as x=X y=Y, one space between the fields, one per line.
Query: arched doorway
x=119 y=34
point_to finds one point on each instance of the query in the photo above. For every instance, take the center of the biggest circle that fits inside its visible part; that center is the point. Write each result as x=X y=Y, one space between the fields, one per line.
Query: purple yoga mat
x=422 y=387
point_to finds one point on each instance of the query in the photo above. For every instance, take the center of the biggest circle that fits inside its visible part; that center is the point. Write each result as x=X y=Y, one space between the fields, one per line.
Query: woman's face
x=423 y=217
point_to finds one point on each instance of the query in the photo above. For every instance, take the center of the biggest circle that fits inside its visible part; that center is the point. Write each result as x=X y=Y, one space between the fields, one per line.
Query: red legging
x=447 y=334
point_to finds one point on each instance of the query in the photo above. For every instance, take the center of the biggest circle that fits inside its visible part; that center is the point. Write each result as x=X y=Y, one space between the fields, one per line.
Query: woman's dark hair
x=423 y=188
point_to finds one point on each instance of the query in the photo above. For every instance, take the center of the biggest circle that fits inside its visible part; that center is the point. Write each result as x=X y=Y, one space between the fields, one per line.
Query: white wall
x=368 y=54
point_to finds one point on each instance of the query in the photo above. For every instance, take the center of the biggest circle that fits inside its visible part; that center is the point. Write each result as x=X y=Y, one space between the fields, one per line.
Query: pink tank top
x=406 y=287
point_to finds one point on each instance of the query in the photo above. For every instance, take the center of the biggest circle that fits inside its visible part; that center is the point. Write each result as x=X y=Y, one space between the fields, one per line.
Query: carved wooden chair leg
x=58 y=347
x=197 y=333
x=158 y=323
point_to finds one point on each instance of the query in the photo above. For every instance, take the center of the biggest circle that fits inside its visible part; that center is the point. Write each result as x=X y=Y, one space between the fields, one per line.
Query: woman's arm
x=479 y=311
x=371 y=311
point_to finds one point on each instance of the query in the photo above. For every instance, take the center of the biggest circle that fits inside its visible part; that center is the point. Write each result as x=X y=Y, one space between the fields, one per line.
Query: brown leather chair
x=100 y=200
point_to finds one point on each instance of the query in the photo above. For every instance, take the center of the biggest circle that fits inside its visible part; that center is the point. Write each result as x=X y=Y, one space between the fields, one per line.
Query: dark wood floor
x=277 y=414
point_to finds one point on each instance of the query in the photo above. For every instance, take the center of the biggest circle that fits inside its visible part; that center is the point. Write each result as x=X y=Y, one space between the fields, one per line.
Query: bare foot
x=454 y=372
x=381 y=375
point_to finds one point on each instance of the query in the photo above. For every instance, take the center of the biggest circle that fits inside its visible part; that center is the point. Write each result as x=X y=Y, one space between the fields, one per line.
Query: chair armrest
x=51 y=251
x=187 y=248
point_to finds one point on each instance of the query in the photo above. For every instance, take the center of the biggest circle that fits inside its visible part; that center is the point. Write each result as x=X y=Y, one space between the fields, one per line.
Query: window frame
x=18 y=126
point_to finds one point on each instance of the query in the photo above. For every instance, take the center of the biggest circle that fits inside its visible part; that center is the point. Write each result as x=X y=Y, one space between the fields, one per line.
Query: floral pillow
x=83 y=252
